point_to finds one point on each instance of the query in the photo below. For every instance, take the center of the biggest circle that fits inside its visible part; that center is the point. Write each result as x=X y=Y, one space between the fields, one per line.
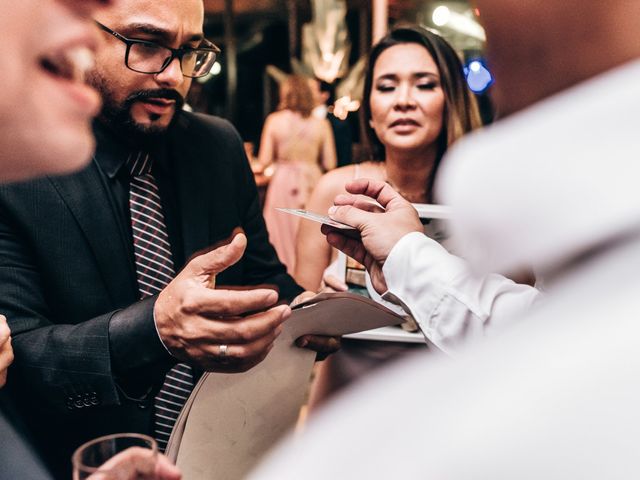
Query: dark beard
x=117 y=116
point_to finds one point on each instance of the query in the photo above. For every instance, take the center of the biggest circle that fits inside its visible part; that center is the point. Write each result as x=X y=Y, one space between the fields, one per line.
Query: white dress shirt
x=451 y=305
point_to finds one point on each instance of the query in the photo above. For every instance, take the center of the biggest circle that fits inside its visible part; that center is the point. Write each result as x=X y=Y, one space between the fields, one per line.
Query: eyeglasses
x=143 y=56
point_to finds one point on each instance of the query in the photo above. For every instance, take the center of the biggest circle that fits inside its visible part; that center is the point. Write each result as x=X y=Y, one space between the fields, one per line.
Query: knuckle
x=225 y=305
x=241 y=351
x=220 y=304
x=245 y=333
x=188 y=333
x=269 y=323
x=190 y=304
x=279 y=315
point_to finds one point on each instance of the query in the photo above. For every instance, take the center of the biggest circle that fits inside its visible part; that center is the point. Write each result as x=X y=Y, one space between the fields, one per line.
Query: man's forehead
x=179 y=17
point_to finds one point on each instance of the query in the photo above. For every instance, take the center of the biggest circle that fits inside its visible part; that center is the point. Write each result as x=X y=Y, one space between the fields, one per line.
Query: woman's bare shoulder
x=337 y=177
x=277 y=116
x=370 y=169
x=332 y=184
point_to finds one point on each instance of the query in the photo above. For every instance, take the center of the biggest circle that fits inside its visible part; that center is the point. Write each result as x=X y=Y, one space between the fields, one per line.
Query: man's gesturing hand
x=379 y=230
x=194 y=321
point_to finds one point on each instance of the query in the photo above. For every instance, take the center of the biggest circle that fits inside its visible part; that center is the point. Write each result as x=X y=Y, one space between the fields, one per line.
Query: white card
x=316 y=217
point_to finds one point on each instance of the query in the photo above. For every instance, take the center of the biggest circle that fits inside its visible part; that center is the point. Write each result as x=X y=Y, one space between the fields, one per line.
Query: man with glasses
x=95 y=275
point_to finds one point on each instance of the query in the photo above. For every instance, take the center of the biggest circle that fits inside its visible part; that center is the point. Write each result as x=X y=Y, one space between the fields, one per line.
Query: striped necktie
x=154 y=269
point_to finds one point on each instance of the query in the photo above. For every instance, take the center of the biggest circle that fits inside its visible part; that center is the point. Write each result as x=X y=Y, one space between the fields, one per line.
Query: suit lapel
x=193 y=185
x=86 y=196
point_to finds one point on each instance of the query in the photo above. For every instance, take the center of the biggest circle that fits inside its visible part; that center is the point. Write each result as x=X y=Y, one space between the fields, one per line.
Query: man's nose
x=171 y=77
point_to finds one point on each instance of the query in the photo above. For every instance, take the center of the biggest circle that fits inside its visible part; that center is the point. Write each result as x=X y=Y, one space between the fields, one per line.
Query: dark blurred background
x=256 y=33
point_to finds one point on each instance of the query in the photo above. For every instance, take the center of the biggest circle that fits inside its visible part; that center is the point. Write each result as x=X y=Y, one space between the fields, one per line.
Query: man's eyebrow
x=161 y=33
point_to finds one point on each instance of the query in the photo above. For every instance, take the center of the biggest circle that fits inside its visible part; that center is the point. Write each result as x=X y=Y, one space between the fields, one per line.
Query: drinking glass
x=121 y=455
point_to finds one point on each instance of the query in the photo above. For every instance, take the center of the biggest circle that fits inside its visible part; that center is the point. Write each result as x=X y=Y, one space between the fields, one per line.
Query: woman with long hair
x=300 y=147
x=416 y=103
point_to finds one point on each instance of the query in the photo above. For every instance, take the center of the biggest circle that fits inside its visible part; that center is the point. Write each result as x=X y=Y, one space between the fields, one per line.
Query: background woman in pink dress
x=301 y=148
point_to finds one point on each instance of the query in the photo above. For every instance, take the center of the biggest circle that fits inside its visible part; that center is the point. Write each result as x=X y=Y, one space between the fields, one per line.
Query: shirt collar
x=113 y=151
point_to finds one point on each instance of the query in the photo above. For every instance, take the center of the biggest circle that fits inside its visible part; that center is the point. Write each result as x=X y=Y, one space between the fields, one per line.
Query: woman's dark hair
x=460 y=111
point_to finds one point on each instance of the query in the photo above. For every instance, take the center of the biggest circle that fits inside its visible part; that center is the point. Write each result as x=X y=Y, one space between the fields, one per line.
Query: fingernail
x=302 y=343
x=333 y=210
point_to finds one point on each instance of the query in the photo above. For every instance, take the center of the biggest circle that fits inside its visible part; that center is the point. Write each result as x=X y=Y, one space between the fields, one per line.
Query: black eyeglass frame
x=175 y=52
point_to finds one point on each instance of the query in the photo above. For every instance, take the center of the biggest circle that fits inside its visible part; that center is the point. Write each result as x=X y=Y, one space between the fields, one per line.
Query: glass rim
x=76 y=462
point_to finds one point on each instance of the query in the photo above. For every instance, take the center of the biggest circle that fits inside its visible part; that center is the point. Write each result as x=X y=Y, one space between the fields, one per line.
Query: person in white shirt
x=554 y=186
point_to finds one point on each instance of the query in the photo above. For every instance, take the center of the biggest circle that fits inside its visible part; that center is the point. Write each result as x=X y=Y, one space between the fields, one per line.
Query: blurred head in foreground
x=46 y=107
x=579 y=189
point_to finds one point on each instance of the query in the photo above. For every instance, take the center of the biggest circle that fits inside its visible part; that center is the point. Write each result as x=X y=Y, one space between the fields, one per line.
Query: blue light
x=479 y=77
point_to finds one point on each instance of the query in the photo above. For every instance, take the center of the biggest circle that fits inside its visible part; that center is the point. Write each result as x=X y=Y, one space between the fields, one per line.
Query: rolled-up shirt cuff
x=418 y=271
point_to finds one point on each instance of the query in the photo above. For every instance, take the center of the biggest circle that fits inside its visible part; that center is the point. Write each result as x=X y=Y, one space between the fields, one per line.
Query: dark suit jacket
x=88 y=360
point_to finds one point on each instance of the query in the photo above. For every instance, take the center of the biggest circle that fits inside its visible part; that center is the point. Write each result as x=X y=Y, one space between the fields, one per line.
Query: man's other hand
x=322 y=345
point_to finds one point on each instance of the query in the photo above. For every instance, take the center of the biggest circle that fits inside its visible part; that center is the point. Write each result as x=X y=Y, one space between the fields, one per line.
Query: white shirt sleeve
x=450 y=304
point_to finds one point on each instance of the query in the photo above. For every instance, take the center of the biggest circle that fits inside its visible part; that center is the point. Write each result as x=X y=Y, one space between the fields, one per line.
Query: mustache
x=165 y=93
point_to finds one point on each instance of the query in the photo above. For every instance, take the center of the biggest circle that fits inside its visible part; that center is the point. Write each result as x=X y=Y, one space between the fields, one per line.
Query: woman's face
x=407 y=101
